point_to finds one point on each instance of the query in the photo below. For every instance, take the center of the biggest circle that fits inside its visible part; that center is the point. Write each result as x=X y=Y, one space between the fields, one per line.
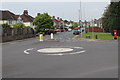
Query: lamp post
x=80 y=18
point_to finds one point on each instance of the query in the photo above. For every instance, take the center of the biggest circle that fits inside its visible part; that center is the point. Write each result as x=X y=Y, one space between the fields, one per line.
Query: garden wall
x=95 y=30
x=11 y=34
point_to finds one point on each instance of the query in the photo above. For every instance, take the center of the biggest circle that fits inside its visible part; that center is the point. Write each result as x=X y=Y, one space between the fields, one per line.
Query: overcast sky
x=65 y=10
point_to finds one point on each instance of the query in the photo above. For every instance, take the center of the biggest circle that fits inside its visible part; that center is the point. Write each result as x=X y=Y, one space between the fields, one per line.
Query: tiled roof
x=7 y=15
x=27 y=18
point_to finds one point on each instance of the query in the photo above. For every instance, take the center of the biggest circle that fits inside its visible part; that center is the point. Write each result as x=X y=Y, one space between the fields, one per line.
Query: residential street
x=89 y=58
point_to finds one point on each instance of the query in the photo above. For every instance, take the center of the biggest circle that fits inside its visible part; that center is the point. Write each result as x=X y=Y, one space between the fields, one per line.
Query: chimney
x=38 y=14
x=57 y=17
x=53 y=17
x=61 y=19
x=25 y=12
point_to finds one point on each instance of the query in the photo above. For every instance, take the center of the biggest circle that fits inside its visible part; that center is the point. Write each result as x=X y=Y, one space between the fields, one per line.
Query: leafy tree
x=111 y=17
x=75 y=25
x=42 y=22
x=27 y=27
x=5 y=25
x=65 y=21
x=19 y=25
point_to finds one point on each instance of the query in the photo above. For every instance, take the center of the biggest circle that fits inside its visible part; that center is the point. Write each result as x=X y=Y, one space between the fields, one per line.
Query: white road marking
x=77 y=52
x=54 y=50
x=26 y=51
x=75 y=36
x=55 y=54
x=62 y=54
x=79 y=47
x=57 y=51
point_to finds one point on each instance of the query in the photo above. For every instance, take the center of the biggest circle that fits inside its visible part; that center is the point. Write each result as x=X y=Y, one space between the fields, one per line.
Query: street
x=89 y=58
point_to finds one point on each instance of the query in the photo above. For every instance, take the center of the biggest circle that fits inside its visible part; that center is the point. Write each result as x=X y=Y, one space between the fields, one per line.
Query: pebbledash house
x=11 y=18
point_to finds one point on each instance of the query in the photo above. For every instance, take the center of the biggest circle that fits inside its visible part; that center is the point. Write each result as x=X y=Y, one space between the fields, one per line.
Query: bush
x=27 y=27
x=18 y=25
x=5 y=25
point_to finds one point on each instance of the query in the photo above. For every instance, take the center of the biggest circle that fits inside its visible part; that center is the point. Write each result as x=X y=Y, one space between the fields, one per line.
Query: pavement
x=100 y=59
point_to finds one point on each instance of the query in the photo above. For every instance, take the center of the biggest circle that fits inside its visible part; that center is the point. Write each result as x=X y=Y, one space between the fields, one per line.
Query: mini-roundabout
x=56 y=50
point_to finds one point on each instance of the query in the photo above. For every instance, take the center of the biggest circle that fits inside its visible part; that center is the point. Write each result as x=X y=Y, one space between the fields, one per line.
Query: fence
x=10 y=34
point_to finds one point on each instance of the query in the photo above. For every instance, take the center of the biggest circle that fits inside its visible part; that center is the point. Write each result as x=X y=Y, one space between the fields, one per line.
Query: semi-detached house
x=11 y=18
x=8 y=17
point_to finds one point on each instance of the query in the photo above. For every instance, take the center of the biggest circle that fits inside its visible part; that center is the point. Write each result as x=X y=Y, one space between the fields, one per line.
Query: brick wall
x=95 y=29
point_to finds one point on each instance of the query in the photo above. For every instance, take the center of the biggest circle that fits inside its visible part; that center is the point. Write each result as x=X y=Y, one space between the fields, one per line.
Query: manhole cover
x=55 y=50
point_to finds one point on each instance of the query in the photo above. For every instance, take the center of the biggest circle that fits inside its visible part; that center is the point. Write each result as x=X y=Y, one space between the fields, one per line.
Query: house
x=69 y=24
x=58 y=22
x=96 y=23
x=26 y=19
x=8 y=17
x=55 y=22
x=11 y=18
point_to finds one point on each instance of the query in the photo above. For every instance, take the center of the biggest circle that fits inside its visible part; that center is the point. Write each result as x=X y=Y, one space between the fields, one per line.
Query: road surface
x=100 y=59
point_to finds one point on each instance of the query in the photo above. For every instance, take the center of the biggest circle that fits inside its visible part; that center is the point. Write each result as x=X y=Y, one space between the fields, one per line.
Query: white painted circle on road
x=55 y=50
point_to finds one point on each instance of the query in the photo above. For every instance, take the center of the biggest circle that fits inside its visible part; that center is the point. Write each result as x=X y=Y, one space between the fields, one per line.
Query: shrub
x=18 y=25
x=5 y=25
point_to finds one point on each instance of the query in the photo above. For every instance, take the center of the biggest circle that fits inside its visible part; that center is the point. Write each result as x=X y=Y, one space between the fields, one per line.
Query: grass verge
x=102 y=36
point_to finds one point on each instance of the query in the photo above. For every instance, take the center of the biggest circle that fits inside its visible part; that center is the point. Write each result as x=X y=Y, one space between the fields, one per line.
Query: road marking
x=57 y=51
x=26 y=51
x=77 y=52
x=75 y=36
x=62 y=54
x=79 y=47
x=54 y=50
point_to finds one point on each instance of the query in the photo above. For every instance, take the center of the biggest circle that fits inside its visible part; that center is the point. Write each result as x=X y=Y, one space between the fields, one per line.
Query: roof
x=7 y=15
x=58 y=20
x=27 y=18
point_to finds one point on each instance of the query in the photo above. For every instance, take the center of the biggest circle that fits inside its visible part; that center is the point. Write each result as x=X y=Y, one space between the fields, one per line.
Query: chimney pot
x=53 y=17
x=57 y=17
x=38 y=14
x=25 y=12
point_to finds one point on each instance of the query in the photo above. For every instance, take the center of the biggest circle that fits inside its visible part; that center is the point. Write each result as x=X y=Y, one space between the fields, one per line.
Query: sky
x=64 y=10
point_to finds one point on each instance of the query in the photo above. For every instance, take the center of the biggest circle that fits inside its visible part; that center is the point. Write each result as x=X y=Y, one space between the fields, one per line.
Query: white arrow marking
x=26 y=51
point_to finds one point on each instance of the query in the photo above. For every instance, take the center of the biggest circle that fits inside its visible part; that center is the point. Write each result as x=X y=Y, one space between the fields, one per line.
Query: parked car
x=58 y=30
x=69 y=30
x=76 y=32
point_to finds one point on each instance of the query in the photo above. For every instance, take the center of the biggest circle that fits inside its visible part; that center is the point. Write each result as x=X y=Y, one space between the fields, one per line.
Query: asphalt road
x=100 y=59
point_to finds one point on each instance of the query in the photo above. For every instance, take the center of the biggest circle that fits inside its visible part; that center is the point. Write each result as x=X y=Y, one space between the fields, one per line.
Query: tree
x=111 y=17
x=5 y=25
x=42 y=22
x=75 y=25
x=19 y=25
x=65 y=21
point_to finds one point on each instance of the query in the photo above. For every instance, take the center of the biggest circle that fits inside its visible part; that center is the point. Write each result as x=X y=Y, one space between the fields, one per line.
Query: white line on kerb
x=26 y=51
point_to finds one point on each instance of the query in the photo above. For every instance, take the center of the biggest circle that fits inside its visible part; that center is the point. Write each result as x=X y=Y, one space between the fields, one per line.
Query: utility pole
x=80 y=15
